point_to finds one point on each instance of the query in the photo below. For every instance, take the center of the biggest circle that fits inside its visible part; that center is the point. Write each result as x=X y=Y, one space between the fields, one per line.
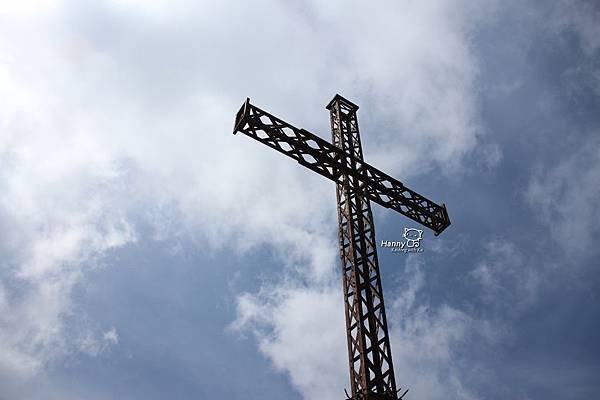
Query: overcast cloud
x=148 y=252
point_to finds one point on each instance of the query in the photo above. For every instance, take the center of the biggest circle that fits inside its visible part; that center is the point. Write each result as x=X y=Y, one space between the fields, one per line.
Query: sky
x=146 y=252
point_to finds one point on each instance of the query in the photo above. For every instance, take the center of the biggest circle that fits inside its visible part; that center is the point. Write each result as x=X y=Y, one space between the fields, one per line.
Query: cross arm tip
x=446 y=220
x=241 y=114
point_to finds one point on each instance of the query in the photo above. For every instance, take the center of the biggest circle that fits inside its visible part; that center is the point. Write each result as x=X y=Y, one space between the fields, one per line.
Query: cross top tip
x=343 y=101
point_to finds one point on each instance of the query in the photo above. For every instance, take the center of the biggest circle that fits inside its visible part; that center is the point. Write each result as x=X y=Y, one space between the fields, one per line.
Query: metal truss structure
x=357 y=184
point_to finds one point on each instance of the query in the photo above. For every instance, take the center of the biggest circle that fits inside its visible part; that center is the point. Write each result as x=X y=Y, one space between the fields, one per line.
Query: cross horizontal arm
x=331 y=162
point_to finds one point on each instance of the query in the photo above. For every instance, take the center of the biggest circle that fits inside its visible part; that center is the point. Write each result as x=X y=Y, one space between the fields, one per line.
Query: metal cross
x=357 y=184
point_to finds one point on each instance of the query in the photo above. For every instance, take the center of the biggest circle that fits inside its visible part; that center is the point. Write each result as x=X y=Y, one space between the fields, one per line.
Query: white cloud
x=120 y=113
x=565 y=197
x=509 y=282
x=27 y=8
x=582 y=16
x=93 y=345
x=426 y=340
x=301 y=330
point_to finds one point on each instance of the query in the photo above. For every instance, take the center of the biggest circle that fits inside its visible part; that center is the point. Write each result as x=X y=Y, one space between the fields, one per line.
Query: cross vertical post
x=369 y=353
